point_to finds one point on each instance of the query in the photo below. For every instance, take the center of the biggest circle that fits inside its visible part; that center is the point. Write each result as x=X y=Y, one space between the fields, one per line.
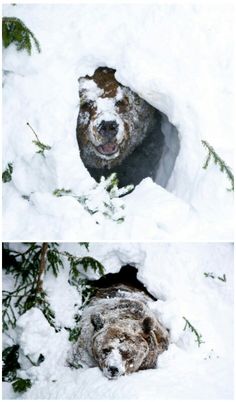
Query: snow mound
x=175 y=274
x=187 y=76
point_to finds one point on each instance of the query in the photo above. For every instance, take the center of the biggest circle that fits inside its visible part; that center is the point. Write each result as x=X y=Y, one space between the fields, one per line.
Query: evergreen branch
x=220 y=162
x=21 y=385
x=15 y=31
x=86 y=262
x=191 y=327
x=211 y=275
x=223 y=278
x=60 y=192
x=85 y=244
x=90 y=262
x=74 y=334
x=111 y=185
x=110 y=208
x=6 y=175
x=10 y=363
x=42 y=147
x=76 y=277
x=54 y=258
x=27 y=269
x=36 y=42
x=112 y=182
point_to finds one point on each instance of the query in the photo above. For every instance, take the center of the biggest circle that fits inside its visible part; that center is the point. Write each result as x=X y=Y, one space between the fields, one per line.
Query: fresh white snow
x=174 y=273
x=178 y=57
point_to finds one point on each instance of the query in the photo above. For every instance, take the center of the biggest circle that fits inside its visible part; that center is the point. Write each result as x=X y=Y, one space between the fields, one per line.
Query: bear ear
x=97 y=321
x=147 y=325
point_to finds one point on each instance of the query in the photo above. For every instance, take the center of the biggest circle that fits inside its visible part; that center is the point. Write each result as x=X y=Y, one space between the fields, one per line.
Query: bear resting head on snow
x=119 y=332
x=117 y=131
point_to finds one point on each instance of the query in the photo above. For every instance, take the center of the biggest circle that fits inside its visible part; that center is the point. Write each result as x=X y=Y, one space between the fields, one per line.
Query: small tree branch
x=37 y=138
x=42 y=266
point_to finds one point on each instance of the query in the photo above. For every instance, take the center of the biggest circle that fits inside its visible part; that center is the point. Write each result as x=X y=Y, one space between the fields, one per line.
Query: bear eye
x=122 y=102
x=86 y=104
x=126 y=354
x=106 y=351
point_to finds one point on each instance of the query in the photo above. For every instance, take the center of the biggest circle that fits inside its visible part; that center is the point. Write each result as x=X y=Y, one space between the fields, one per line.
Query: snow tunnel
x=126 y=276
x=120 y=132
x=170 y=151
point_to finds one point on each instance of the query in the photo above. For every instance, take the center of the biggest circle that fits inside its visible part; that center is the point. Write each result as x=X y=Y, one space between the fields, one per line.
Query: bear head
x=112 y=120
x=122 y=347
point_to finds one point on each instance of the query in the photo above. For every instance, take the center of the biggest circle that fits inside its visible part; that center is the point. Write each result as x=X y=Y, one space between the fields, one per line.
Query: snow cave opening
x=170 y=147
x=126 y=276
x=170 y=150
x=119 y=131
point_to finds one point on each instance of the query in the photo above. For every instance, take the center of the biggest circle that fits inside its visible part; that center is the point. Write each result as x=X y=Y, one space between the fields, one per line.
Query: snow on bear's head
x=112 y=120
x=119 y=349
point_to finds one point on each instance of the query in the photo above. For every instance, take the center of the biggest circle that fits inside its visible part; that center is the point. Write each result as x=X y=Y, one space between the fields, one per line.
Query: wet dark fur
x=141 y=151
x=118 y=324
x=142 y=163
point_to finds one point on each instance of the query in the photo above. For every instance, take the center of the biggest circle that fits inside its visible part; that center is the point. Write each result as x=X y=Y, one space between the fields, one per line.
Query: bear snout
x=108 y=129
x=113 y=365
x=113 y=371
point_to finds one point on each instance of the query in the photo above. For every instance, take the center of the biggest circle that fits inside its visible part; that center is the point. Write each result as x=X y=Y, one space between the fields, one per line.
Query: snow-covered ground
x=178 y=57
x=174 y=273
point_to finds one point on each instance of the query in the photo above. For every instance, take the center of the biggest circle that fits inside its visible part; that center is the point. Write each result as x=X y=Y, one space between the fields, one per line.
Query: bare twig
x=37 y=138
x=42 y=266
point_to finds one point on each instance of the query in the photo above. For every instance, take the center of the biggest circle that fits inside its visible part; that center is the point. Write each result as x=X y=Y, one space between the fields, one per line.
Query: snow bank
x=172 y=55
x=174 y=273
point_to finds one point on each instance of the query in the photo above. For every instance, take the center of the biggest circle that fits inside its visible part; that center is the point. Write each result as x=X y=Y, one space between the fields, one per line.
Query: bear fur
x=119 y=332
x=117 y=131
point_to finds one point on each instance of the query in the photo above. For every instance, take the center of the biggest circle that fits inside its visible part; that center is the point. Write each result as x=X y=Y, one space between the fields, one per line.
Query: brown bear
x=119 y=332
x=117 y=131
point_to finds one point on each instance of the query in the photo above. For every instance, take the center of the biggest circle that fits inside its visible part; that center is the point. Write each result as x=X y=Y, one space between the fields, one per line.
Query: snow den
x=127 y=275
x=118 y=131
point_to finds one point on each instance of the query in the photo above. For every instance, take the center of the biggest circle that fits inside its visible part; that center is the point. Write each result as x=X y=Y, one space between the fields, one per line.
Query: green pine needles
x=28 y=268
x=15 y=31
x=218 y=161
x=110 y=206
x=10 y=366
x=76 y=275
x=194 y=331
x=21 y=384
x=7 y=173
x=213 y=276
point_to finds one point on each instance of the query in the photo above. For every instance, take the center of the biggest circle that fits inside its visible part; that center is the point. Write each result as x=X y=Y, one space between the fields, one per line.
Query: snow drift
x=178 y=276
x=173 y=56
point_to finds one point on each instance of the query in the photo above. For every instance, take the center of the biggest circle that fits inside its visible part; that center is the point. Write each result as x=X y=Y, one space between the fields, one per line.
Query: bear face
x=119 y=332
x=118 y=351
x=112 y=123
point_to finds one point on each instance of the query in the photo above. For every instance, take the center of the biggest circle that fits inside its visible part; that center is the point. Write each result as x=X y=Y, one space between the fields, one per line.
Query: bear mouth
x=107 y=149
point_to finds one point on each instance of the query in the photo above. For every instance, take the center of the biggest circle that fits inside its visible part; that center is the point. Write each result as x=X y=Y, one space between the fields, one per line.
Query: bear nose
x=108 y=128
x=113 y=370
